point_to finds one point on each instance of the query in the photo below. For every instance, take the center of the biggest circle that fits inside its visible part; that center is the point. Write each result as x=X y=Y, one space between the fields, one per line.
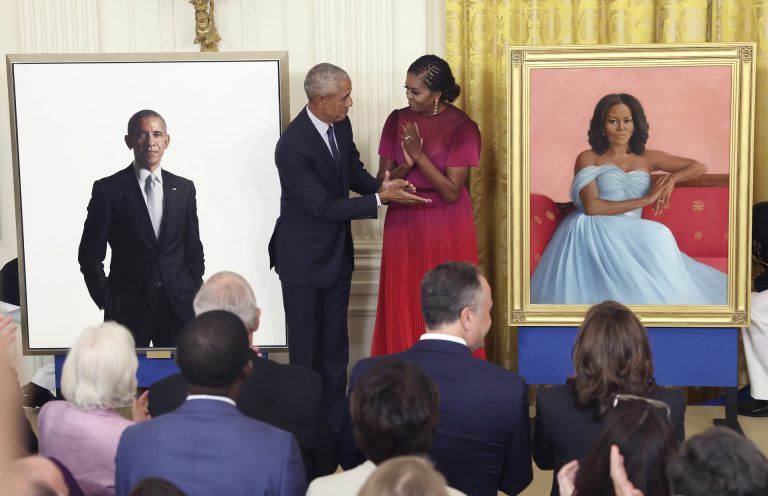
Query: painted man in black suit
x=284 y=396
x=148 y=216
x=311 y=247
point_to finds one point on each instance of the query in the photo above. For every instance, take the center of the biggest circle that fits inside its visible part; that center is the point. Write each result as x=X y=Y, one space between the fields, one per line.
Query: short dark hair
x=645 y=439
x=394 y=408
x=212 y=349
x=448 y=289
x=611 y=355
x=154 y=486
x=133 y=122
x=718 y=461
x=437 y=76
x=596 y=133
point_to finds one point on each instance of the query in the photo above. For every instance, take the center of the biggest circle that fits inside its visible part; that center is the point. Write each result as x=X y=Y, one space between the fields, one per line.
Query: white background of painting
x=224 y=120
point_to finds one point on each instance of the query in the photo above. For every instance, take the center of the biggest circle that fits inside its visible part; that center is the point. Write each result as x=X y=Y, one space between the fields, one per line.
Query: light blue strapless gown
x=592 y=258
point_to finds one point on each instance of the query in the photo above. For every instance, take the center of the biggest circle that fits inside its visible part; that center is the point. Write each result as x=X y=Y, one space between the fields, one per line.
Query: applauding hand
x=399 y=191
x=7 y=331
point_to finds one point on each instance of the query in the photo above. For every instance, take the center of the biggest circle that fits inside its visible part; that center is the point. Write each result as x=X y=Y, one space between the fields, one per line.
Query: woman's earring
x=435 y=112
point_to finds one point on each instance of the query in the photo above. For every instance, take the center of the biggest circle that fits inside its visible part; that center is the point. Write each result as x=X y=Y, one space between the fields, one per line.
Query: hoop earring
x=435 y=112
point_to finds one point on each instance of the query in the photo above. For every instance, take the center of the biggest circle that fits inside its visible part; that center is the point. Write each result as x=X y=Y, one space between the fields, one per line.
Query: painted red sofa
x=697 y=216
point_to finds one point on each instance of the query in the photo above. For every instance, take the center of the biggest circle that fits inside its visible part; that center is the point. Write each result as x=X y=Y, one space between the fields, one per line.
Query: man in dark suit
x=284 y=396
x=206 y=446
x=311 y=247
x=482 y=444
x=148 y=216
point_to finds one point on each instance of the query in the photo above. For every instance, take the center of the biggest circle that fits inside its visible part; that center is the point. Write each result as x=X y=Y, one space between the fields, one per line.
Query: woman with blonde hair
x=405 y=476
x=611 y=355
x=82 y=432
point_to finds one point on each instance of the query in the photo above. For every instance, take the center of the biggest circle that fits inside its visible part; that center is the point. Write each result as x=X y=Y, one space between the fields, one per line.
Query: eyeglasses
x=650 y=401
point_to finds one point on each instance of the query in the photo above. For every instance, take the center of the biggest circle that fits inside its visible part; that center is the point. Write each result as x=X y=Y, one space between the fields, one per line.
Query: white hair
x=323 y=80
x=100 y=369
x=231 y=292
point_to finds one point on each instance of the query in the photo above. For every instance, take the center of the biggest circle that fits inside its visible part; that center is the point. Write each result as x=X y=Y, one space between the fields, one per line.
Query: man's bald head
x=231 y=292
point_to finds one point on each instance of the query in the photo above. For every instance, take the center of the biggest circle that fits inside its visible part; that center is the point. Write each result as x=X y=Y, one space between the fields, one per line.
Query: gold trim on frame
x=523 y=59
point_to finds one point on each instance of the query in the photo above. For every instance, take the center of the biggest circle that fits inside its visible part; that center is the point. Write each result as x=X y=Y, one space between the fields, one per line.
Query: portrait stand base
x=150 y=369
x=682 y=356
x=731 y=419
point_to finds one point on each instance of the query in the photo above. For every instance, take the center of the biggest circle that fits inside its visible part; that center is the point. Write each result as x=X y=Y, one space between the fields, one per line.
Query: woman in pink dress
x=432 y=144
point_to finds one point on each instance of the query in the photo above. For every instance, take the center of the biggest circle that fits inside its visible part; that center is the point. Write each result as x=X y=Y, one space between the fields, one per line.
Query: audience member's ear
x=247 y=369
x=465 y=317
x=140 y=408
x=257 y=320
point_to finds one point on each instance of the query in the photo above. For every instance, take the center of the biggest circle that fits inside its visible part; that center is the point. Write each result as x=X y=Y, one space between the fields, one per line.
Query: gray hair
x=100 y=369
x=323 y=79
x=231 y=292
x=448 y=289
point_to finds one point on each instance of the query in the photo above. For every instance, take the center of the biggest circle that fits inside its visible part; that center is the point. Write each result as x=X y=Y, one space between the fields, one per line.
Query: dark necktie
x=334 y=150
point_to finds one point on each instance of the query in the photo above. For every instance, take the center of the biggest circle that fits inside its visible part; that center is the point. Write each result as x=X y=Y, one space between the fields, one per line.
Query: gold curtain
x=476 y=34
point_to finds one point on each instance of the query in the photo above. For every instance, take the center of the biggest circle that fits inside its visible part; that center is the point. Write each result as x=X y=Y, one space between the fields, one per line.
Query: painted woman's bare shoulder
x=584 y=159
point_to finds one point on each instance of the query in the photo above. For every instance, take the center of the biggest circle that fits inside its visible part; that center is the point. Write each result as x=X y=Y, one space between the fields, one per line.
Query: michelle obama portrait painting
x=631 y=168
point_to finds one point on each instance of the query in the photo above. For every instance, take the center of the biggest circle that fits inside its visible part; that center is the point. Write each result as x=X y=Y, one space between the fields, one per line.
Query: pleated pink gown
x=419 y=237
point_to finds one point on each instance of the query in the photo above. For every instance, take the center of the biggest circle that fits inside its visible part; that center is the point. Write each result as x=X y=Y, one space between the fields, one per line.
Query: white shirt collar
x=322 y=127
x=442 y=337
x=142 y=173
x=211 y=397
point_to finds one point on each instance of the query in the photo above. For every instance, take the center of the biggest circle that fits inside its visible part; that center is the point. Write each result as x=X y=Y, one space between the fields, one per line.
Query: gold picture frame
x=550 y=89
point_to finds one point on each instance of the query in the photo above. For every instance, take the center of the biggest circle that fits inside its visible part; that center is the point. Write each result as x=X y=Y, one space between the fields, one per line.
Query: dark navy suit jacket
x=118 y=216
x=313 y=229
x=207 y=447
x=284 y=396
x=482 y=444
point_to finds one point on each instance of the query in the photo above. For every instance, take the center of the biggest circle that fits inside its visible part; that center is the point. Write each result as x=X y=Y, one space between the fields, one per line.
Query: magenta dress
x=419 y=237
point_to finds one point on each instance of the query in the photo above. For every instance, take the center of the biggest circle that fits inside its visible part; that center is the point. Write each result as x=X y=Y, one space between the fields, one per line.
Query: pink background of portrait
x=688 y=110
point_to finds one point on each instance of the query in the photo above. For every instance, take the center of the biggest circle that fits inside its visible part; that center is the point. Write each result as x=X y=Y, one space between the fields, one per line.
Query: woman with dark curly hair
x=611 y=356
x=604 y=249
x=432 y=144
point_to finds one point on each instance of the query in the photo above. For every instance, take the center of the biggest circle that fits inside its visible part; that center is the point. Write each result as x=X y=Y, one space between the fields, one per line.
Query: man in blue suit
x=311 y=247
x=482 y=444
x=206 y=446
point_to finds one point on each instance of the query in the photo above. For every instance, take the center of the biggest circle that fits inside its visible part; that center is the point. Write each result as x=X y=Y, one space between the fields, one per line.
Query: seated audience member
x=611 y=355
x=38 y=475
x=755 y=337
x=206 y=446
x=152 y=486
x=405 y=476
x=640 y=429
x=718 y=462
x=285 y=396
x=394 y=409
x=82 y=432
x=482 y=442
x=23 y=442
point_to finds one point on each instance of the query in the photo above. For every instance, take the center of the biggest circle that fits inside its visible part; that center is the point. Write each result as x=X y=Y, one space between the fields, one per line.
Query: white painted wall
x=374 y=40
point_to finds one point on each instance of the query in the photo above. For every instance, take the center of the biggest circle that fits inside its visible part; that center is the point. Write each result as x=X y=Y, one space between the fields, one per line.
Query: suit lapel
x=132 y=192
x=320 y=149
x=170 y=205
x=344 y=142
